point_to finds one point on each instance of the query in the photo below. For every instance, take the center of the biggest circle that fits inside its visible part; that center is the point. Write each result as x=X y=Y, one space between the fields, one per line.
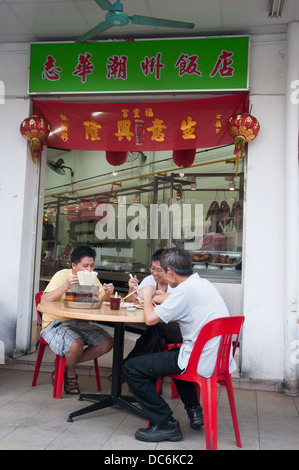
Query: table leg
x=115 y=398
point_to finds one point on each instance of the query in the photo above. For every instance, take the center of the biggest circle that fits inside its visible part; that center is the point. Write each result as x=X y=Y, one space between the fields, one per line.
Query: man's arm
x=73 y=279
x=108 y=290
x=161 y=296
x=148 y=293
x=55 y=294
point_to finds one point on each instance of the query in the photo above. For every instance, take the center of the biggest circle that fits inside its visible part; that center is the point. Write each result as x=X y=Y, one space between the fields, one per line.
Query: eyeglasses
x=156 y=270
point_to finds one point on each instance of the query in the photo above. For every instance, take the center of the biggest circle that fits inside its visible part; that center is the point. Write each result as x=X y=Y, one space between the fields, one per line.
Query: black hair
x=157 y=255
x=178 y=260
x=81 y=252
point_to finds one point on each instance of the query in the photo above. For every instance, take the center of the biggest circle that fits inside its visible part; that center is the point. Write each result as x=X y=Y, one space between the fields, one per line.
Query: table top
x=97 y=314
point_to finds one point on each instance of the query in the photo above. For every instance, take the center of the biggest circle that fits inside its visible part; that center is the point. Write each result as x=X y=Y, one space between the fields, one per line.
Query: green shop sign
x=196 y=64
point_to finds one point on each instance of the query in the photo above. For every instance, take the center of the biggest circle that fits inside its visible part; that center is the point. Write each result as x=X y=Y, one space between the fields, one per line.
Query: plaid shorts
x=60 y=335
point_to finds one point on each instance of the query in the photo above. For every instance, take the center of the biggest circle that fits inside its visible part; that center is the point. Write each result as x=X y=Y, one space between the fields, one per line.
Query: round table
x=118 y=318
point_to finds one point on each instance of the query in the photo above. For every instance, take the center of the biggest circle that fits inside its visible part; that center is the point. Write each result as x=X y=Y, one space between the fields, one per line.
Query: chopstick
x=131 y=293
x=135 y=291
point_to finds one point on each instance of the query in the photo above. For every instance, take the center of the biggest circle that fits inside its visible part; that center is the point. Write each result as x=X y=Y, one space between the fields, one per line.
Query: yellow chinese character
x=64 y=137
x=148 y=112
x=217 y=131
x=64 y=126
x=124 y=130
x=63 y=117
x=125 y=112
x=136 y=112
x=218 y=116
x=92 y=130
x=156 y=130
x=218 y=124
x=188 y=130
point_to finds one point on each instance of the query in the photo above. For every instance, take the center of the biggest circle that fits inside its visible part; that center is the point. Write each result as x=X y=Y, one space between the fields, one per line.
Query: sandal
x=71 y=385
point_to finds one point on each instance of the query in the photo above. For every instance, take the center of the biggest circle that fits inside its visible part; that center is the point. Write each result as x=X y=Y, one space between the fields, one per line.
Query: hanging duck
x=213 y=214
x=237 y=216
x=224 y=214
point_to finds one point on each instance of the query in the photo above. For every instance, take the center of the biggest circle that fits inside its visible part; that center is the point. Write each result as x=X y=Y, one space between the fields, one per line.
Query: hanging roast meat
x=224 y=214
x=213 y=214
x=237 y=216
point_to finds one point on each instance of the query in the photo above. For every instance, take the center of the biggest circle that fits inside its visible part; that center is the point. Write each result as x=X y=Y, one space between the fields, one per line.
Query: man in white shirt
x=193 y=303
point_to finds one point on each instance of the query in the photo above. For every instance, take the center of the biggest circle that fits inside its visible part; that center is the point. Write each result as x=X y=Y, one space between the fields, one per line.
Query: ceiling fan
x=117 y=17
x=59 y=167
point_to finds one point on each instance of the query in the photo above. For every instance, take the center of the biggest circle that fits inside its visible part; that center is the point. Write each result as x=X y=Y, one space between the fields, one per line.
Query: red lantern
x=116 y=158
x=35 y=129
x=184 y=158
x=244 y=128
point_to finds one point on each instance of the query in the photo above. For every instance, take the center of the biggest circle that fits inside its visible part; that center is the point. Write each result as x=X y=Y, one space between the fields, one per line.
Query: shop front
x=92 y=185
x=128 y=178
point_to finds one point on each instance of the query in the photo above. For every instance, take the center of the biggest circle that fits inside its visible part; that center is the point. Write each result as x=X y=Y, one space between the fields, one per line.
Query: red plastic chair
x=59 y=362
x=225 y=327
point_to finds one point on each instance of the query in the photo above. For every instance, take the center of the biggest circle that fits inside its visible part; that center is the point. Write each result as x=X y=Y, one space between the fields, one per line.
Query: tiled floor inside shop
x=31 y=419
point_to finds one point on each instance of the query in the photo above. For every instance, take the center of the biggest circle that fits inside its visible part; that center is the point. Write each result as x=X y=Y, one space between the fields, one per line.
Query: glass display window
x=128 y=212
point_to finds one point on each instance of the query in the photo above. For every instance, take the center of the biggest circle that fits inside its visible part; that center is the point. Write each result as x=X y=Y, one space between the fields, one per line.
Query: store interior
x=127 y=212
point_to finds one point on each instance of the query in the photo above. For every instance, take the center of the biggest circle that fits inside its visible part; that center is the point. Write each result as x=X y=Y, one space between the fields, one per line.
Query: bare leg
x=78 y=354
x=92 y=352
x=73 y=356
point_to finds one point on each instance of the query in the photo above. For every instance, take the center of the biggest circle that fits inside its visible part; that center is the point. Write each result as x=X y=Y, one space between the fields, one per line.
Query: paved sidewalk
x=31 y=419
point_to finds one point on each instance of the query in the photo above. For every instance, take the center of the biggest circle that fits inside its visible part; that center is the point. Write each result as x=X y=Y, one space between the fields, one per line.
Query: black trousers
x=154 y=338
x=141 y=373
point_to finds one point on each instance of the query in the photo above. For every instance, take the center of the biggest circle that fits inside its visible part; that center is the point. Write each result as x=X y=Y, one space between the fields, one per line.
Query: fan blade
x=100 y=28
x=147 y=20
x=105 y=5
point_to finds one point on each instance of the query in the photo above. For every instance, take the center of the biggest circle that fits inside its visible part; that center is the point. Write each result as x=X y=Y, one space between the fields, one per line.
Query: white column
x=291 y=286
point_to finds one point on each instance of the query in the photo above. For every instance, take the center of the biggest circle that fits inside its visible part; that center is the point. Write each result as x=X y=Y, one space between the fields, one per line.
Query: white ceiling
x=66 y=20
